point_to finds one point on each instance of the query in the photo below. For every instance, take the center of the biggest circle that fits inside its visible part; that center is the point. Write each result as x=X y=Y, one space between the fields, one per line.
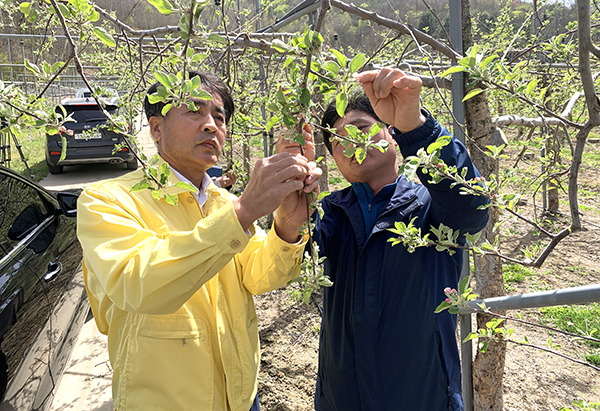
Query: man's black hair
x=209 y=81
x=356 y=102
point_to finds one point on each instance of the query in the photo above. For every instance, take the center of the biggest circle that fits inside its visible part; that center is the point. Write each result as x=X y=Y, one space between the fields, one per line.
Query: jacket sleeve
x=449 y=206
x=136 y=267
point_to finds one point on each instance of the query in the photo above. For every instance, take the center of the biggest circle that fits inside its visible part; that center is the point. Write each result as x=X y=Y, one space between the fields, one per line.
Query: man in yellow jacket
x=172 y=285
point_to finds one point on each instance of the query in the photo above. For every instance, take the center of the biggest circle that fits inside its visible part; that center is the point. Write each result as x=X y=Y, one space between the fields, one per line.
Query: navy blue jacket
x=382 y=348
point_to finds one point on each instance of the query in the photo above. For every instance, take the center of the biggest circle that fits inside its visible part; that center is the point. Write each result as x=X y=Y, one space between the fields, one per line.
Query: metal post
x=24 y=68
x=544 y=187
x=10 y=61
x=458 y=110
x=335 y=41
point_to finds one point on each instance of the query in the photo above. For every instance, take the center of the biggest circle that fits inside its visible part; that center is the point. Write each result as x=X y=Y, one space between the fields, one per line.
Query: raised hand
x=279 y=180
x=394 y=96
x=284 y=145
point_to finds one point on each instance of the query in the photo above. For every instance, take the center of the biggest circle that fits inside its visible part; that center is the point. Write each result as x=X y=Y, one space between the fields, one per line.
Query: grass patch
x=576 y=319
x=592 y=358
x=34 y=151
x=580 y=320
x=515 y=273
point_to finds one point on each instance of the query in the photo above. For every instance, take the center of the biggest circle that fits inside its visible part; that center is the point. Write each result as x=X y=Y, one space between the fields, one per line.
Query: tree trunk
x=488 y=367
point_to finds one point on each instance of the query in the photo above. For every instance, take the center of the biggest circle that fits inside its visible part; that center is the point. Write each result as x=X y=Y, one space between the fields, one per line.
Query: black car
x=43 y=303
x=91 y=141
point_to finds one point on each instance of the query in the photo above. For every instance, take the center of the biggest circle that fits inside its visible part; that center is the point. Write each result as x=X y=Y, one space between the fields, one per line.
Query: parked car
x=43 y=303
x=91 y=141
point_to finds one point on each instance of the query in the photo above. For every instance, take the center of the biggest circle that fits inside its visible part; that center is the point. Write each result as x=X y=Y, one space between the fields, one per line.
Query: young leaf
x=453 y=69
x=342 y=60
x=217 y=38
x=163 y=6
x=357 y=62
x=341 y=102
x=473 y=93
x=280 y=46
x=163 y=78
x=104 y=36
x=272 y=121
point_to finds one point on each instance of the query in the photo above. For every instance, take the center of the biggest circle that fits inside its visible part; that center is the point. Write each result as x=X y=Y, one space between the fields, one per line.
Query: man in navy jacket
x=382 y=348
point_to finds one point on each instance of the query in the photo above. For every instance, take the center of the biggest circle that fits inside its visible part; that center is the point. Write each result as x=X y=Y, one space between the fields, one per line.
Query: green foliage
x=581 y=405
x=582 y=320
x=515 y=273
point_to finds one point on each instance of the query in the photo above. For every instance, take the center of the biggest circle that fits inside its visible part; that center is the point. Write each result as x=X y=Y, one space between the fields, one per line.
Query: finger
x=408 y=82
x=284 y=157
x=378 y=80
x=307 y=133
x=312 y=181
x=366 y=76
x=384 y=83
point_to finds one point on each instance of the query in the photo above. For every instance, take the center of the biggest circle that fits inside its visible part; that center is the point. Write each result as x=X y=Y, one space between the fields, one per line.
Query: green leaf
x=171 y=199
x=154 y=98
x=322 y=195
x=187 y=186
x=65 y=10
x=217 y=38
x=280 y=46
x=305 y=96
x=272 y=121
x=488 y=60
x=163 y=6
x=63 y=151
x=472 y=93
x=443 y=306
x=453 y=69
x=442 y=141
x=24 y=7
x=32 y=67
x=464 y=284
x=468 y=62
x=163 y=78
x=201 y=94
x=56 y=66
x=357 y=62
x=166 y=109
x=104 y=36
x=332 y=67
x=350 y=151
x=360 y=155
x=94 y=16
x=341 y=102
x=342 y=60
x=376 y=128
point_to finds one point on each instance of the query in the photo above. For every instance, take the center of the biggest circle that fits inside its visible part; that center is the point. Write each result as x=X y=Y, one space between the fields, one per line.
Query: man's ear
x=154 y=123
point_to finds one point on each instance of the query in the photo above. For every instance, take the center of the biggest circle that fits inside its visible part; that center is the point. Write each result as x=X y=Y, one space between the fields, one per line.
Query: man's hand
x=292 y=213
x=288 y=146
x=276 y=180
x=394 y=96
x=228 y=179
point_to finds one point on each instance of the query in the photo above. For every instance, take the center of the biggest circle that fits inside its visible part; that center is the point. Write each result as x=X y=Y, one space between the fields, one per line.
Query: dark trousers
x=255 y=404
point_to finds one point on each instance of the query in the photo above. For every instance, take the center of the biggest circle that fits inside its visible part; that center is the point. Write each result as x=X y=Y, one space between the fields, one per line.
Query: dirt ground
x=533 y=380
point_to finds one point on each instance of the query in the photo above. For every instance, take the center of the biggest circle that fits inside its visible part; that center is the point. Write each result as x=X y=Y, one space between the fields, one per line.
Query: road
x=85 y=385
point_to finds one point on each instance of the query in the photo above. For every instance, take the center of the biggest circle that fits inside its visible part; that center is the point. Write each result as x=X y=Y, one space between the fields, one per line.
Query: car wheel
x=132 y=165
x=54 y=169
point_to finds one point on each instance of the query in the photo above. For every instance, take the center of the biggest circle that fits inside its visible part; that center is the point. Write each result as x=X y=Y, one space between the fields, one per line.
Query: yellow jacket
x=172 y=288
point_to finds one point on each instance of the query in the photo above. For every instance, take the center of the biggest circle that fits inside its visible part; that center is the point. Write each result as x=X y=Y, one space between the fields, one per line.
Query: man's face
x=191 y=141
x=376 y=164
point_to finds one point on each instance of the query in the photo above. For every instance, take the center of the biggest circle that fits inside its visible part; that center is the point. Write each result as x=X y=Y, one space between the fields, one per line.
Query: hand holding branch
x=394 y=96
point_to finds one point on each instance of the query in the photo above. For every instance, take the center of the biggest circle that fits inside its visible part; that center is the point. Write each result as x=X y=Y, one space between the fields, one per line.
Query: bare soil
x=533 y=379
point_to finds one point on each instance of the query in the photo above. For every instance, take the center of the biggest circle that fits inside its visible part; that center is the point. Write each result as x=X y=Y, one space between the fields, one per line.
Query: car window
x=88 y=113
x=18 y=199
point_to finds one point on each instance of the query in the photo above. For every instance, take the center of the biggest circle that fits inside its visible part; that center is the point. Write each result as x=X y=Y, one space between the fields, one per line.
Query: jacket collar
x=402 y=203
